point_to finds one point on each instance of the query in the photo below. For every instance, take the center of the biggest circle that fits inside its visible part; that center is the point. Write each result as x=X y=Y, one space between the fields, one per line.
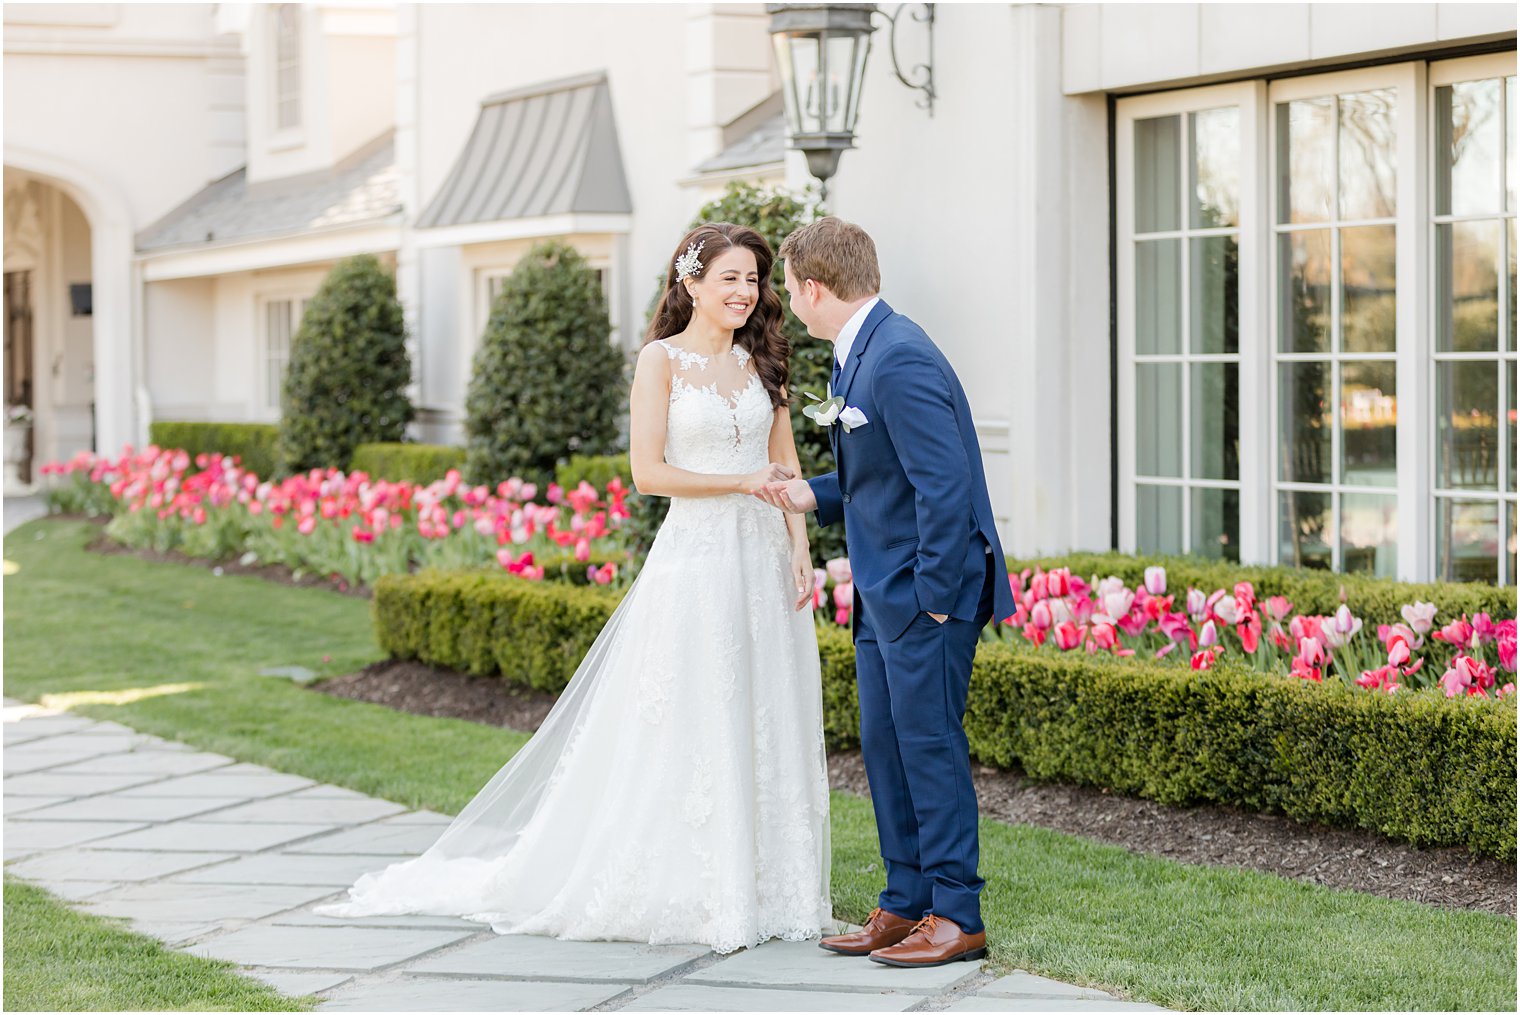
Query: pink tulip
x=1278 y=608
x=1155 y=581
x=1419 y=616
x=842 y=616
x=1506 y=640
x=1068 y=636
x=838 y=570
x=1342 y=628
x=528 y=491
x=1384 y=679
x=1467 y=674
x=1205 y=659
x=1116 y=605
x=1197 y=602
x=1208 y=637
x=1166 y=650
x=1104 y=637
x=1041 y=617
x=306 y=526
x=1227 y=610
x=582 y=550
x=1458 y=633
x=1058 y=582
x=361 y=535
x=1507 y=691
x=1484 y=629
x=844 y=595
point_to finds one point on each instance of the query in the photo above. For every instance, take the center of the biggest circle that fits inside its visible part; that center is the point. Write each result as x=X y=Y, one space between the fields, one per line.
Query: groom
x=928 y=574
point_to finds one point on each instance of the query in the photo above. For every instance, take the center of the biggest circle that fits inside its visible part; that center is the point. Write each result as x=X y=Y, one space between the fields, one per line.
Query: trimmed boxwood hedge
x=1413 y=766
x=406 y=463
x=255 y=444
x=1315 y=592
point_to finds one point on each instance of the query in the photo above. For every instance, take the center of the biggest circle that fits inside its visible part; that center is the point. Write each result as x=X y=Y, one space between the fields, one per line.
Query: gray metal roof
x=762 y=146
x=361 y=188
x=547 y=150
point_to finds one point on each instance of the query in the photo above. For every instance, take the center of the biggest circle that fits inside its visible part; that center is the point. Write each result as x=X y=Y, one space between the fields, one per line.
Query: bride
x=677 y=792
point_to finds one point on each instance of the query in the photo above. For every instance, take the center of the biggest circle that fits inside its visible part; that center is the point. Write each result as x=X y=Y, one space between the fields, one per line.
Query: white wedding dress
x=677 y=792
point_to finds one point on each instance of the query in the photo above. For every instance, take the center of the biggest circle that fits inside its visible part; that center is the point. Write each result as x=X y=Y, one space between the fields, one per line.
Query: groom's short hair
x=836 y=254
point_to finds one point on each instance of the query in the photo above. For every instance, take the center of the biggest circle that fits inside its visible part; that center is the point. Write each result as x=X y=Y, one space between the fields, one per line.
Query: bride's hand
x=802 y=575
x=772 y=473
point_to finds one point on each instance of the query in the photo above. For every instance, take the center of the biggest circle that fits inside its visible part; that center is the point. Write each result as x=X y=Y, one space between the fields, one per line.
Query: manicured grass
x=57 y=959
x=175 y=651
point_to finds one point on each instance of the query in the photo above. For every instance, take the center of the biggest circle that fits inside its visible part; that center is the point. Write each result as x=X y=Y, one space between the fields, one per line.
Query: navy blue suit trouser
x=912 y=703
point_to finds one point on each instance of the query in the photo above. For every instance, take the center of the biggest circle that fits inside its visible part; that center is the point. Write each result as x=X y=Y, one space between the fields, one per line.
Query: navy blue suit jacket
x=909 y=482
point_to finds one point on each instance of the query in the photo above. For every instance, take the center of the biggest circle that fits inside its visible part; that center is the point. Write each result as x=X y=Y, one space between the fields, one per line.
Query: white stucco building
x=1219 y=278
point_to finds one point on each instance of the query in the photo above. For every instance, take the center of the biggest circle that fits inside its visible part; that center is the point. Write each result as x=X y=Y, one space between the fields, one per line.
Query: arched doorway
x=70 y=312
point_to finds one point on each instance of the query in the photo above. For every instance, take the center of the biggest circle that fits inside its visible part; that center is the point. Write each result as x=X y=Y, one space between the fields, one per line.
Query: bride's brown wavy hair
x=761 y=335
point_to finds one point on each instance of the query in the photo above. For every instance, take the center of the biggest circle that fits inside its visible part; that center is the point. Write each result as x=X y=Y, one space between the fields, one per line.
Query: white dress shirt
x=851 y=329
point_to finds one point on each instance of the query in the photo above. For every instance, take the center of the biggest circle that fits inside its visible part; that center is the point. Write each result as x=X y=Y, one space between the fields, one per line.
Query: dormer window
x=287 y=66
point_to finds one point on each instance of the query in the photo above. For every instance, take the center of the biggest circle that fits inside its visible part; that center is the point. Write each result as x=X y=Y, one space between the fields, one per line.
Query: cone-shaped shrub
x=546 y=382
x=348 y=373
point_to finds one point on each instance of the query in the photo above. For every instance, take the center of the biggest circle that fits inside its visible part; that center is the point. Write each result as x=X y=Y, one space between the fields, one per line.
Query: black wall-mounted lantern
x=821 y=50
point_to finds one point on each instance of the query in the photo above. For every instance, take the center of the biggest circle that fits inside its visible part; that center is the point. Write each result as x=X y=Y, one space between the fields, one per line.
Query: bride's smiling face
x=728 y=292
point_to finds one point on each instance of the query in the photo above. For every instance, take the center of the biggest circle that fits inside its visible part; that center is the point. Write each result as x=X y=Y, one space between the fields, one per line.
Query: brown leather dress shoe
x=935 y=941
x=882 y=929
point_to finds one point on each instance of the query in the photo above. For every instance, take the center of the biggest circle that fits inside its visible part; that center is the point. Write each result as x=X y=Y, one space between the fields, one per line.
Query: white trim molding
x=522 y=229
x=276 y=252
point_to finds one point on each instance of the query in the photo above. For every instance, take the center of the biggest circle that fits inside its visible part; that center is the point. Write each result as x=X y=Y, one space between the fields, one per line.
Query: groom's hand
x=793 y=495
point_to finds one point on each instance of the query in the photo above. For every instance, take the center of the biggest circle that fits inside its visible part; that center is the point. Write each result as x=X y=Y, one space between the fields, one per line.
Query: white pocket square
x=851 y=417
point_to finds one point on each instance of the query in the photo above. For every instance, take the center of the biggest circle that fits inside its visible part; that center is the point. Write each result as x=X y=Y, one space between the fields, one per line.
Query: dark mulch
x=278 y=573
x=410 y=686
x=1225 y=836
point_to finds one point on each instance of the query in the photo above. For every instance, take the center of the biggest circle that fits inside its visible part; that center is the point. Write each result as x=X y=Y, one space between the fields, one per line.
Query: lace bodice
x=720 y=414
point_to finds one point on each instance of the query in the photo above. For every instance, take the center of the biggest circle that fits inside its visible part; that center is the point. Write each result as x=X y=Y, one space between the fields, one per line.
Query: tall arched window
x=287 y=66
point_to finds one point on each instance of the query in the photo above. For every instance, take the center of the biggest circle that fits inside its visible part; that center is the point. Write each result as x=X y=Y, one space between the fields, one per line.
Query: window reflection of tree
x=1306 y=515
x=1366 y=124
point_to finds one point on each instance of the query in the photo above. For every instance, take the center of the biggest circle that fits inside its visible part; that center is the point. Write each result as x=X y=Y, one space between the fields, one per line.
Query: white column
x=408 y=262
x=1057 y=357
x=729 y=69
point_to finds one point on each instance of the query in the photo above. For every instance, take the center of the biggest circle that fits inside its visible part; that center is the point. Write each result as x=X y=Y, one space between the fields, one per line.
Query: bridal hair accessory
x=688 y=263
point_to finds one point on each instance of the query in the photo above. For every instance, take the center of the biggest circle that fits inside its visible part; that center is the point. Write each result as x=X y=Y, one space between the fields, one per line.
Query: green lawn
x=57 y=959
x=175 y=651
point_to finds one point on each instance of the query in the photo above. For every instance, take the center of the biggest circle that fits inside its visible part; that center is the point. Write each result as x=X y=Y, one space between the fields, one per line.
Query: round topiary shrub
x=546 y=382
x=349 y=370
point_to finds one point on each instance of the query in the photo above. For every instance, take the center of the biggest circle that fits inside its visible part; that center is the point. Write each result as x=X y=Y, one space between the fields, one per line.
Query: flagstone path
x=227 y=860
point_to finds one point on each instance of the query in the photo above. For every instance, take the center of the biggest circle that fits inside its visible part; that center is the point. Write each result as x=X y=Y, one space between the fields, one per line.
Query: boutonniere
x=826 y=411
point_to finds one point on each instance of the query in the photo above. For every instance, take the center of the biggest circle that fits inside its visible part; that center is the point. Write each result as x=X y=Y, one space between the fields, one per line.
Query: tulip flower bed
x=1424 y=645
x=1461 y=655
x=345 y=525
x=1414 y=766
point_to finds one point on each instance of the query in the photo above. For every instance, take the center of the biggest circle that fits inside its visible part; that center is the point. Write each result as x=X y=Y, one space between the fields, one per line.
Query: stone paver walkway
x=17 y=511
x=227 y=860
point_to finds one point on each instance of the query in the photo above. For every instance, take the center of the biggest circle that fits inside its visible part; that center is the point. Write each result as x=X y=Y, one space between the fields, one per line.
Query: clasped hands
x=778 y=487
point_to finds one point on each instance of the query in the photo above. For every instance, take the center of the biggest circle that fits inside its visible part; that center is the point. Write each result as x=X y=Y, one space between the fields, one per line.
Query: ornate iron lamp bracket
x=922 y=75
